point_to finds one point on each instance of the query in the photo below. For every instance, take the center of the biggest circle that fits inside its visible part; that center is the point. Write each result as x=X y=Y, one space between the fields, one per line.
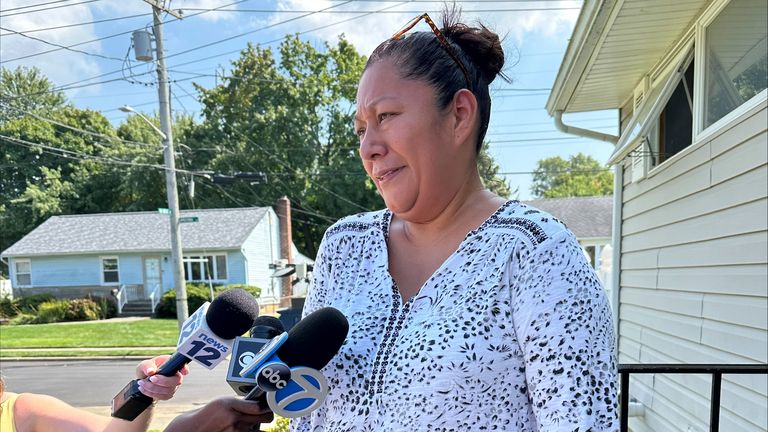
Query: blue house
x=101 y=254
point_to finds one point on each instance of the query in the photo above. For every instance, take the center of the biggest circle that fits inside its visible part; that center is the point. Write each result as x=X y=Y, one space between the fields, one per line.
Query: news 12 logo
x=302 y=394
x=199 y=343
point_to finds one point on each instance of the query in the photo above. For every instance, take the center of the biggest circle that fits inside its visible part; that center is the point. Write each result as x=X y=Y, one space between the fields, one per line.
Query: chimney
x=286 y=243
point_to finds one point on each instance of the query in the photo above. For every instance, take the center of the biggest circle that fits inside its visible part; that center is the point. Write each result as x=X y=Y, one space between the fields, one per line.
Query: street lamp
x=182 y=311
x=129 y=109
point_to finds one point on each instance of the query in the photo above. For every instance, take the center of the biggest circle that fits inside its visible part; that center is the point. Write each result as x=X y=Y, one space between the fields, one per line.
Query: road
x=95 y=382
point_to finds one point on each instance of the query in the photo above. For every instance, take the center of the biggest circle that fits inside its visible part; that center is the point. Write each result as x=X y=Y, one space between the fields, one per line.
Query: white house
x=688 y=79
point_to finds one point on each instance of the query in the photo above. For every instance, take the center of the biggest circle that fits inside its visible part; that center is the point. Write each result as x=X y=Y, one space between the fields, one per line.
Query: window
x=110 y=270
x=23 y=272
x=204 y=267
x=736 y=58
x=675 y=127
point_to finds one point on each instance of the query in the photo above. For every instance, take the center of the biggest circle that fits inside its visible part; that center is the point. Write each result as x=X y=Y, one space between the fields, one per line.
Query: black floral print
x=513 y=332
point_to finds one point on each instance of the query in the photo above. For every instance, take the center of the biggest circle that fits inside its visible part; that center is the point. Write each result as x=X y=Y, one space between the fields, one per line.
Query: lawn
x=138 y=333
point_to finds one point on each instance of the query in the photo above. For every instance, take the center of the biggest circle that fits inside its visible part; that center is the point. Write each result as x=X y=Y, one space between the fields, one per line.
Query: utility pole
x=182 y=312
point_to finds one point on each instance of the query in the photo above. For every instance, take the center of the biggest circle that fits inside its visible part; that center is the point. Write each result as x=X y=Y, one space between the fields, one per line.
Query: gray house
x=688 y=80
x=78 y=255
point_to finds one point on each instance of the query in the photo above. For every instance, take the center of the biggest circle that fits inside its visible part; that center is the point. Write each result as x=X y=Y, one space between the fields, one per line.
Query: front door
x=153 y=277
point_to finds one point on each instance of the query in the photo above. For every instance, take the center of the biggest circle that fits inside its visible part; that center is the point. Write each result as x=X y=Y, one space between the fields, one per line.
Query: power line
x=32 y=5
x=397 y=12
x=60 y=46
x=112 y=36
x=43 y=9
x=82 y=23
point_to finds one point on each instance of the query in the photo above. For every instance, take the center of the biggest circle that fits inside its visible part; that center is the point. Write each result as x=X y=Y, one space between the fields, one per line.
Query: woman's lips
x=388 y=174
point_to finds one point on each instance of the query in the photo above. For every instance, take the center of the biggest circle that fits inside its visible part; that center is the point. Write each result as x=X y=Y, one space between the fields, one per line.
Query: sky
x=98 y=70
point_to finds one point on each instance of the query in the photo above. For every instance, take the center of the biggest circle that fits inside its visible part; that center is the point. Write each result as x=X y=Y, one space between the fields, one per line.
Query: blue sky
x=536 y=34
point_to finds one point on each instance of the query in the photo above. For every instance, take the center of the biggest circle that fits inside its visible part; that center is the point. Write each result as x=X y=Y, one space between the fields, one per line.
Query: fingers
x=149 y=367
x=249 y=408
x=160 y=387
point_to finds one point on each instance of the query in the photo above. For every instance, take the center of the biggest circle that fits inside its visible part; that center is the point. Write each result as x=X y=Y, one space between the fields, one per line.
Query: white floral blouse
x=512 y=333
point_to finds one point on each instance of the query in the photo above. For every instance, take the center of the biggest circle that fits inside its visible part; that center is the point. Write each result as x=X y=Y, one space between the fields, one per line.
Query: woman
x=466 y=311
x=27 y=412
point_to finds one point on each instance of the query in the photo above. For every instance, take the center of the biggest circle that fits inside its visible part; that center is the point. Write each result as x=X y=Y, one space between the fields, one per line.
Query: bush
x=197 y=294
x=281 y=425
x=52 y=311
x=107 y=307
x=82 y=310
x=8 y=308
x=30 y=304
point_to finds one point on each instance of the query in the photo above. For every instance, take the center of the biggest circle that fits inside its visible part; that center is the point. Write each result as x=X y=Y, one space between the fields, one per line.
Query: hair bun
x=481 y=45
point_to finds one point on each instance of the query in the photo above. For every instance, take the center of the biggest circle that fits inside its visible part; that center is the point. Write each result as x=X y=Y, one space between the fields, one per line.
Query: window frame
x=203 y=272
x=101 y=266
x=16 y=272
x=701 y=133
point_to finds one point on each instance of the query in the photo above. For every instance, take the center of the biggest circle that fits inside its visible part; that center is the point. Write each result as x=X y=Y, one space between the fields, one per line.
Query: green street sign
x=187 y=219
x=164 y=211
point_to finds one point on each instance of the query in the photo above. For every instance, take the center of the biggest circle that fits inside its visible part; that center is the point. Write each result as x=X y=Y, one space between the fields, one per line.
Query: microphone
x=244 y=351
x=298 y=354
x=206 y=337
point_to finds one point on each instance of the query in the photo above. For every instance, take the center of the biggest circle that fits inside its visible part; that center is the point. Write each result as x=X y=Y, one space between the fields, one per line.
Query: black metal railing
x=716 y=370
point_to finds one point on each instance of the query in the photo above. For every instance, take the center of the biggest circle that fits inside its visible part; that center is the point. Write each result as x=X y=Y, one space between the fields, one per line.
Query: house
x=92 y=254
x=589 y=218
x=688 y=79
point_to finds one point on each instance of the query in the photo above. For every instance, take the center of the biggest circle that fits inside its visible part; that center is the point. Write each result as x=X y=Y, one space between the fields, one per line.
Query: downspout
x=584 y=133
x=618 y=193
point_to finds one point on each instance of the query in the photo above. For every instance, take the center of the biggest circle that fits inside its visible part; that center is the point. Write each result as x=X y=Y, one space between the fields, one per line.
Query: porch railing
x=154 y=296
x=716 y=370
x=122 y=298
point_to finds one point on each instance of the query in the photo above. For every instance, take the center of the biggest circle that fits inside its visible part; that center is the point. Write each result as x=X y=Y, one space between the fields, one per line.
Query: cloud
x=367 y=32
x=60 y=66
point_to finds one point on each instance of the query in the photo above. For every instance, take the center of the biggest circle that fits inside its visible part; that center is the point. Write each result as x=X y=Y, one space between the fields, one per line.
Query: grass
x=105 y=334
x=127 y=352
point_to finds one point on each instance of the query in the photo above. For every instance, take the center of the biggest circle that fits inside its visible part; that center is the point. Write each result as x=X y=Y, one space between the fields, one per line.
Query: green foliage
x=281 y=425
x=52 y=311
x=107 y=308
x=30 y=304
x=489 y=173
x=82 y=310
x=197 y=294
x=580 y=175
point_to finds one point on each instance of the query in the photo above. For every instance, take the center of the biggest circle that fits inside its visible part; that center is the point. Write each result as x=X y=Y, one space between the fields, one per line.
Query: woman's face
x=407 y=144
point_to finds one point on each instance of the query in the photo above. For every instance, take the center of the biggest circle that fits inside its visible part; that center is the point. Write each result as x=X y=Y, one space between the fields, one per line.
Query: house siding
x=262 y=248
x=694 y=274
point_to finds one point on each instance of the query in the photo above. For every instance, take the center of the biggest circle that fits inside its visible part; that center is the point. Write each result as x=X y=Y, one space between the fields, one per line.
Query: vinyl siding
x=694 y=279
x=262 y=248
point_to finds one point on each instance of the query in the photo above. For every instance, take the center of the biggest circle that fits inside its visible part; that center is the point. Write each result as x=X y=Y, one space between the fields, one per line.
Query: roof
x=216 y=229
x=614 y=45
x=587 y=217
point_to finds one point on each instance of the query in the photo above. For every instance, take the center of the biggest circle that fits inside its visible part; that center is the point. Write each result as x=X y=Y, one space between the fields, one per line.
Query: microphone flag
x=304 y=393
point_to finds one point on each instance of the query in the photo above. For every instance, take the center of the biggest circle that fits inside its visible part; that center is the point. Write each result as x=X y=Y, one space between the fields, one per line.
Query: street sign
x=164 y=211
x=187 y=219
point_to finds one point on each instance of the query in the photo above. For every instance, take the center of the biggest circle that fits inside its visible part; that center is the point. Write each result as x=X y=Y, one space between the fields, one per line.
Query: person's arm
x=564 y=325
x=226 y=414
x=38 y=413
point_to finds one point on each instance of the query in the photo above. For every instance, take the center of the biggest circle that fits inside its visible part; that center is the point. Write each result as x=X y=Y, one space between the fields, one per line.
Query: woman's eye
x=382 y=116
x=360 y=132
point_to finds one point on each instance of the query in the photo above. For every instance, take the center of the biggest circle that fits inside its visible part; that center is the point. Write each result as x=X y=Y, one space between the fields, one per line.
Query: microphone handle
x=173 y=364
x=257 y=394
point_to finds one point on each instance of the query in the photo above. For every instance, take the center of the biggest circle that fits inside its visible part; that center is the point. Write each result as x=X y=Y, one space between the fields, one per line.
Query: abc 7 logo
x=305 y=392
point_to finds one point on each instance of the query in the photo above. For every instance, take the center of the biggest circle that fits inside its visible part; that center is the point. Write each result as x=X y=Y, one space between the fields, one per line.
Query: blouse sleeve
x=564 y=325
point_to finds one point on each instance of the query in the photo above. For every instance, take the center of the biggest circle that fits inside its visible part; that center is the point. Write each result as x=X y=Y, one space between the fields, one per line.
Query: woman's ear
x=465 y=115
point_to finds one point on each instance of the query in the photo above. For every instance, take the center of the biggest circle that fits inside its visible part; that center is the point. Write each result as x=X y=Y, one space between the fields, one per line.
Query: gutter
x=581 y=132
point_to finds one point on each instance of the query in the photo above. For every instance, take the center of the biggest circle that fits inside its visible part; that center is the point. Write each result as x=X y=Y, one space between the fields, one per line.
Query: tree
x=26 y=90
x=580 y=175
x=489 y=173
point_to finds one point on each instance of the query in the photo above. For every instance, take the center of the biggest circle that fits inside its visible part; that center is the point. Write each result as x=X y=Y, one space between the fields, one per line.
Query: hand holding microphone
x=205 y=337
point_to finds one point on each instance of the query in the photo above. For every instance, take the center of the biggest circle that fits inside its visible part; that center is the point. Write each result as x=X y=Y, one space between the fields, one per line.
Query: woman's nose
x=371 y=145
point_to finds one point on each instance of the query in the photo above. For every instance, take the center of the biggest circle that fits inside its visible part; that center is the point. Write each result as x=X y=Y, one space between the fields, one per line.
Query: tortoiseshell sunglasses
x=443 y=41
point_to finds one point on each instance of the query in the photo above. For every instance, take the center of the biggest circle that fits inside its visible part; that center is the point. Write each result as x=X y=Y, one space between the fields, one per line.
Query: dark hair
x=420 y=56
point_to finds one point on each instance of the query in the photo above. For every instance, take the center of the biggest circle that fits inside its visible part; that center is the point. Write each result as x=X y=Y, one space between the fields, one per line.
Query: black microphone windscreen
x=232 y=313
x=266 y=327
x=314 y=340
